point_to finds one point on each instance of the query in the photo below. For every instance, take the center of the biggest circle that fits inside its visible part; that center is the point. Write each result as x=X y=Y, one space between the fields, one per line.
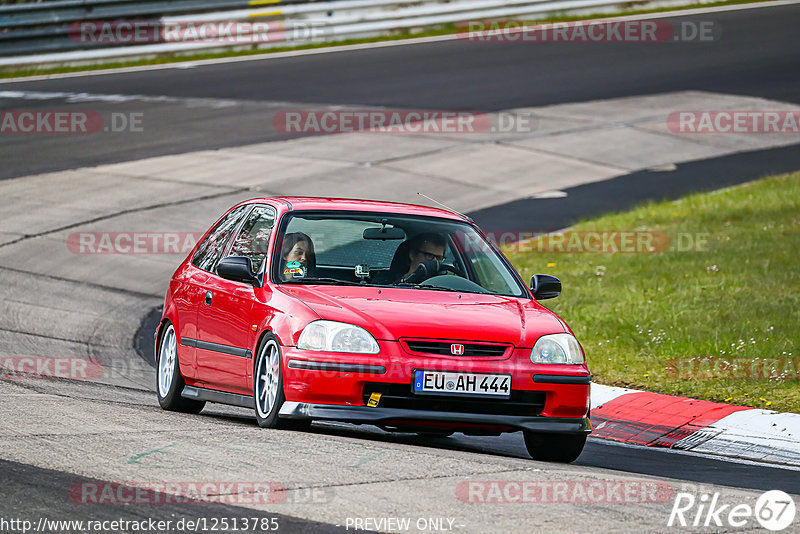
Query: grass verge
x=447 y=29
x=719 y=321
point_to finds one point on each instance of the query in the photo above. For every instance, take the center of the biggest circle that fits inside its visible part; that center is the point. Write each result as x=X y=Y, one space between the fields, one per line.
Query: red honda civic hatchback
x=400 y=316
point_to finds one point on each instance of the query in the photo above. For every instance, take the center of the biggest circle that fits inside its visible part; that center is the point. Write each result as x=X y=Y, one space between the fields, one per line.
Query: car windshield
x=389 y=250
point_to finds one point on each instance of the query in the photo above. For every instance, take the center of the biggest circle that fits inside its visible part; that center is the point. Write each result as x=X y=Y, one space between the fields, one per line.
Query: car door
x=225 y=322
x=189 y=288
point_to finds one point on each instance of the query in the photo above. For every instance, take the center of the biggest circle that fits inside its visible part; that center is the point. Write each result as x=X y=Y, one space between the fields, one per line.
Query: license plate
x=469 y=384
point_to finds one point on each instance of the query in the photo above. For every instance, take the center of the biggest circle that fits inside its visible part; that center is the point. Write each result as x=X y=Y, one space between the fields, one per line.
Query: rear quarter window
x=211 y=248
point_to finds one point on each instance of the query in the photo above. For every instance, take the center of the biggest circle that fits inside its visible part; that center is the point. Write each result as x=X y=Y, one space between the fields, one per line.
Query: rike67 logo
x=774 y=510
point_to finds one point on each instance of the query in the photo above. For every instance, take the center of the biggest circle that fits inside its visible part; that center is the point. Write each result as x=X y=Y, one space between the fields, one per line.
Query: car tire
x=169 y=380
x=268 y=391
x=547 y=447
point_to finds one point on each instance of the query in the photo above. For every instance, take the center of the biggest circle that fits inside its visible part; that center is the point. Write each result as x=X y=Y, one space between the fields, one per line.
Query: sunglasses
x=430 y=256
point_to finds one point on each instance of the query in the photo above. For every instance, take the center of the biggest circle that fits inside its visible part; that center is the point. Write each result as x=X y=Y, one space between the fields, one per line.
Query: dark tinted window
x=253 y=239
x=212 y=246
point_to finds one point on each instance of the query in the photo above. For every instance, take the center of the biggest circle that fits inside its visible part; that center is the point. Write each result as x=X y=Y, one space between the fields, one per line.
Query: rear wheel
x=268 y=387
x=554 y=447
x=169 y=381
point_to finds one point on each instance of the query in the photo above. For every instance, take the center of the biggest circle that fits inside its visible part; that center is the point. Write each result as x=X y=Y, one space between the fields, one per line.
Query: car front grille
x=520 y=403
x=443 y=348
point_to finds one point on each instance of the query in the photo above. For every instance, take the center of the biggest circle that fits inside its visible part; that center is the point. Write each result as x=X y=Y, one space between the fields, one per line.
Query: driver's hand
x=425 y=270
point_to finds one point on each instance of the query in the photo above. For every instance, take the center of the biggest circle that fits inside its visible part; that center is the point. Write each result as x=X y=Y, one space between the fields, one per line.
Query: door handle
x=209 y=296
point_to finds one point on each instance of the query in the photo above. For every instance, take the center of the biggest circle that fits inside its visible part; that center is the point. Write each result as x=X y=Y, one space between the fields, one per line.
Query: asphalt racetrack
x=228 y=104
x=59 y=436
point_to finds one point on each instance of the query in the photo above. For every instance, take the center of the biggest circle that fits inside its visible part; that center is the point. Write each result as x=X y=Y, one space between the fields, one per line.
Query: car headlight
x=337 y=337
x=557 y=348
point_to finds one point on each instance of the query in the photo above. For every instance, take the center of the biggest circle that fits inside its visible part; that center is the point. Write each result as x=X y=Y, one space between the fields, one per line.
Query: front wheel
x=563 y=448
x=169 y=381
x=268 y=387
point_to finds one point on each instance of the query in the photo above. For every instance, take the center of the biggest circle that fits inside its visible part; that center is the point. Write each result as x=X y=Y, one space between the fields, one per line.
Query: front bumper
x=421 y=419
x=560 y=392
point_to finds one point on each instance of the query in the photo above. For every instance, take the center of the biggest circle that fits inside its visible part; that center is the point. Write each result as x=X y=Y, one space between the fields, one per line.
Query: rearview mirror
x=545 y=286
x=384 y=233
x=238 y=269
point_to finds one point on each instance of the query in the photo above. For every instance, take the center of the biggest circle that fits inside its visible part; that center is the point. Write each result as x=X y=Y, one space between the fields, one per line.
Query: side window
x=212 y=246
x=490 y=276
x=253 y=239
x=453 y=257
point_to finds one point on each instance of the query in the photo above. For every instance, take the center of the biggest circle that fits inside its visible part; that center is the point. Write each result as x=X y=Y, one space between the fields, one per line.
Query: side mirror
x=238 y=269
x=545 y=286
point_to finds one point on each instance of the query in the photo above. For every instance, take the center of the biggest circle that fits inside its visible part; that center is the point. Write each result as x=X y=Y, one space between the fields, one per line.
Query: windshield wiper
x=336 y=281
x=434 y=288
x=331 y=281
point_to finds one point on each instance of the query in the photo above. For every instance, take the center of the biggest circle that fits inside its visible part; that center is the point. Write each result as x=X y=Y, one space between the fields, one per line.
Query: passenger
x=297 y=247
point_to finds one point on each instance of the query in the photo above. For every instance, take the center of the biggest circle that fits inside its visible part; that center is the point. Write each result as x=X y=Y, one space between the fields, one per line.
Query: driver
x=423 y=247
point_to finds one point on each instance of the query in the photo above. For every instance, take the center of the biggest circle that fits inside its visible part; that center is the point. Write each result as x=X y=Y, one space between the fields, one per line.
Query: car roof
x=353 y=204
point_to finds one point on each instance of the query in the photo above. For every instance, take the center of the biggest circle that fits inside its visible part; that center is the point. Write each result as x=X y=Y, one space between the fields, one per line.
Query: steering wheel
x=428 y=269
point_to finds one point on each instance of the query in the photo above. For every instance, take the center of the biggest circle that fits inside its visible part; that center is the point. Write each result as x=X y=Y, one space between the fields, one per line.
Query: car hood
x=394 y=313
